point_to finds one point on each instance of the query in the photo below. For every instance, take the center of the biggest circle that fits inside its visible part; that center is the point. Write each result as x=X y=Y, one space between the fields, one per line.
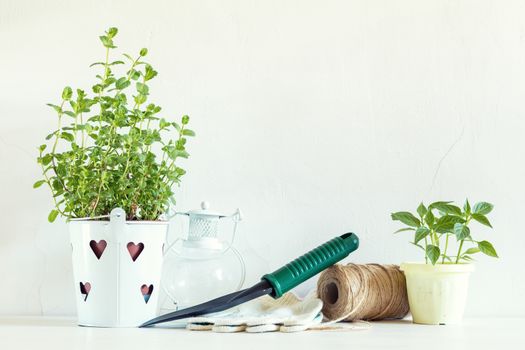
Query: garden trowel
x=276 y=283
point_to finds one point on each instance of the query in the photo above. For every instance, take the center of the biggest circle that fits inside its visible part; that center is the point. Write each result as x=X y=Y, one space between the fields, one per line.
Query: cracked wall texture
x=314 y=117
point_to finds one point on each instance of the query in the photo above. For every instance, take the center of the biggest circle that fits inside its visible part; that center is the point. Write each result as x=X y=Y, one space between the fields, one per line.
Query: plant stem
x=426 y=257
x=445 y=251
x=48 y=181
x=102 y=160
x=59 y=131
x=461 y=243
x=83 y=135
x=57 y=137
x=459 y=251
x=128 y=158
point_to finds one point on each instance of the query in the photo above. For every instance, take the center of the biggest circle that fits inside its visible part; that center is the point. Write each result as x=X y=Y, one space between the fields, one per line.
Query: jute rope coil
x=363 y=292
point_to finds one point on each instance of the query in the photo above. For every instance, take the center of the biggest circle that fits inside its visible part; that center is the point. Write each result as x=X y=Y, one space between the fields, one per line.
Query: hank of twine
x=363 y=292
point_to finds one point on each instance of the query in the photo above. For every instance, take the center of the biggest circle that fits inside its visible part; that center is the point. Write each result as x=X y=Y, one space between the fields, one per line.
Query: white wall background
x=315 y=117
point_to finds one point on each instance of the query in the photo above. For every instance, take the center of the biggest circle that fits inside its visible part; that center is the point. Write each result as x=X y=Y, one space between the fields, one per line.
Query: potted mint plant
x=111 y=163
x=437 y=289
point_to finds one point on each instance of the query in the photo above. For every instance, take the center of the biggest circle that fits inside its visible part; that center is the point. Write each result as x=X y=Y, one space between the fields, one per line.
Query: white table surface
x=61 y=333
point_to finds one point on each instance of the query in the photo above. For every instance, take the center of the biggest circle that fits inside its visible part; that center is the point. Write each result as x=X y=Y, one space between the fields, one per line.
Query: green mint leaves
x=113 y=148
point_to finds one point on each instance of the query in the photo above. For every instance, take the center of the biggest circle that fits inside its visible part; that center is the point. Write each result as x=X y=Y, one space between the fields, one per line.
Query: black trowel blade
x=219 y=304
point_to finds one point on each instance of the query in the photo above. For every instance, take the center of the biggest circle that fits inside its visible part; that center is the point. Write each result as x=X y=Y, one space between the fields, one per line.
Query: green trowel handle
x=311 y=263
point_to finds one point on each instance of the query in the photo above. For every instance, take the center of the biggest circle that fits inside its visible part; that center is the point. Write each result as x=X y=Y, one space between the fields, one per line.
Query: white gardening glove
x=264 y=314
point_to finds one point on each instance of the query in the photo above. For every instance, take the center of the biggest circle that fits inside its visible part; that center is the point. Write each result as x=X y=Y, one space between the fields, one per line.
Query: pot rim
x=134 y=222
x=429 y=268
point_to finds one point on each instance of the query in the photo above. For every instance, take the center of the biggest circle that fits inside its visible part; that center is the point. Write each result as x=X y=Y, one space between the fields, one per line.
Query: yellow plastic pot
x=437 y=293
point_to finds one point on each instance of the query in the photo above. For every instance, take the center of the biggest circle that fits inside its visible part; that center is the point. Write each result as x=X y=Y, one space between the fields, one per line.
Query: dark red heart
x=146 y=291
x=135 y=250
x=85 y=288
x=98 y=248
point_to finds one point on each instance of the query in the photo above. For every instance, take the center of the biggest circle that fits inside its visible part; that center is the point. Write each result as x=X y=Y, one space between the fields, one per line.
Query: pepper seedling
x=436 y=225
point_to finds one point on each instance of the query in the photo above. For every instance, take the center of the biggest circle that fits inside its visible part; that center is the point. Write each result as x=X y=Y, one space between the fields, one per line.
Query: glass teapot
x=202 y=266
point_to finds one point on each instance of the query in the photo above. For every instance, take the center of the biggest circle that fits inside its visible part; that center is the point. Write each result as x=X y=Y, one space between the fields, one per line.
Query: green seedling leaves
x=472 y=250
x=482 y=219
x=430 y=218
x=461 y=231
x=406 y=218
x=442 y=220
x=421 y=233
x=466 y=258
x=421 y=210
x=446 y=223
x=446 y=207
x=486 y=248
x=405 y=229
x=433 y=252
x=466 y=207
x=418 y=246
x=482 y=208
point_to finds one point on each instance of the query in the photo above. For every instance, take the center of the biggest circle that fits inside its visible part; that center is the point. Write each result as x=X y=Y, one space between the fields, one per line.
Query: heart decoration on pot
x=98 y=248
x=146 y=291
x=85 y=288
x=135 y=250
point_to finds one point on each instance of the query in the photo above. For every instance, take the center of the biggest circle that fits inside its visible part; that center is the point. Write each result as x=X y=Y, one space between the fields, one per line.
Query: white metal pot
x=117 y=267
x=437 y=294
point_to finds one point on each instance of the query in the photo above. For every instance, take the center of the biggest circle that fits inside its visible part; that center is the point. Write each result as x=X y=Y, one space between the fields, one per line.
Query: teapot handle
x=169 y=246
x=236 y=217
x=243 y=268
x=171 y=212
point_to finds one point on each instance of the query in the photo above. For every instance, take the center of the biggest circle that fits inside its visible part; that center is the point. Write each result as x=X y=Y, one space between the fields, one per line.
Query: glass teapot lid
x=204 y=223
x=205 y=211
